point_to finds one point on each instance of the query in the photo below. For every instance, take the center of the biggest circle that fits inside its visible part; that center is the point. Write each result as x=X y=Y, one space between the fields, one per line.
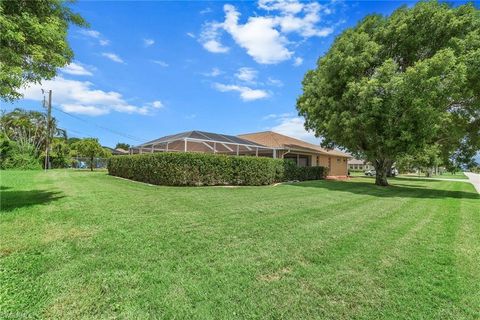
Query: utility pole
x=49 y=120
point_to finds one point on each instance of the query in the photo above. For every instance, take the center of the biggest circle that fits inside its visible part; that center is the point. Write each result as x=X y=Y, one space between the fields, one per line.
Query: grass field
x=445 y=175
x=86 y=245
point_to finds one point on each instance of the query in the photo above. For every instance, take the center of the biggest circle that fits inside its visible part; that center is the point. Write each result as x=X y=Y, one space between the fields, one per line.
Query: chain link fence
x=84 y=163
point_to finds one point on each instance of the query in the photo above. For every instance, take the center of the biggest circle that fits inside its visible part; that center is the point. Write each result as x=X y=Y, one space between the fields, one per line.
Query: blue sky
x=148 y=69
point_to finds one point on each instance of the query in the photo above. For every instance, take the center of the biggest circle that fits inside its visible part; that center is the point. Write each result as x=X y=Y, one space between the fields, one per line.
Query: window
x=300 y=160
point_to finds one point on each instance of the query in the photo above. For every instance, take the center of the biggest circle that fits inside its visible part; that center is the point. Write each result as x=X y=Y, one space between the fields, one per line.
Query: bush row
x=195 y=169
x=292 y=172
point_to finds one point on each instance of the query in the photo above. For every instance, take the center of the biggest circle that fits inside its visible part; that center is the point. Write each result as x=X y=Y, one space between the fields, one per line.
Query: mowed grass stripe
x=354 y=258
x=467 y=257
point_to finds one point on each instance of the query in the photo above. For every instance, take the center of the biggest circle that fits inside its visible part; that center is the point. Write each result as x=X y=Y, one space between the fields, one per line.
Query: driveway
x=474 y=178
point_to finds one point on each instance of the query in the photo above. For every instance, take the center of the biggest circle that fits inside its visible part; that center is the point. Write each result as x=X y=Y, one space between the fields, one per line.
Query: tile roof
x=277 y=140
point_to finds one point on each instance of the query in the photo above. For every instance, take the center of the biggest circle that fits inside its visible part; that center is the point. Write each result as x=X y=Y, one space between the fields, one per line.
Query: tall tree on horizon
x=392 y=86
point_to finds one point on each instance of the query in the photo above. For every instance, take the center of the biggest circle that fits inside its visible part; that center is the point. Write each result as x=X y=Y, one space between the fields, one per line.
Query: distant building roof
x=356 y=161
x=117 y=151
x=277 y=140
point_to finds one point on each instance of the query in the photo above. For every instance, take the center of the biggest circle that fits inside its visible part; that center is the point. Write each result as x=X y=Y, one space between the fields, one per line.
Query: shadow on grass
x=395 y=190
x=10 y=200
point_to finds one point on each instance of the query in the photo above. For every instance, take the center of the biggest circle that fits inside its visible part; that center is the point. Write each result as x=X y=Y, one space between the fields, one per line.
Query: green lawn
x=86 y=245
x=446 y=175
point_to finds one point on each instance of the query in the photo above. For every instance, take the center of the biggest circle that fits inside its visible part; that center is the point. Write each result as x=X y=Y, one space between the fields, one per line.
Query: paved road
x=474 y=178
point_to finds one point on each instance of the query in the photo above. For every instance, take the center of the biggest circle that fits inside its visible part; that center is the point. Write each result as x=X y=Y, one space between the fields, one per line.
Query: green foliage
x=14 y=155
x=425 y=160
x=90 y=148
x=59 y=154
x=292 y=172
x=33 y=42
x=393 y=85
x=71 y=141
x=27 y=127
x=195 y=169
x=27 y=132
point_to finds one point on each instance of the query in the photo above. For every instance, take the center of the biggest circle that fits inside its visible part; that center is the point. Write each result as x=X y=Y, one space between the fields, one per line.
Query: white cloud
x=161 y=63
x=264 y=37
x=277 y=116
x=112 y=56
x=190 y=34
x=246 y=93
x=246 y=74
x=86 y=110
x=215 y=46
x=297 y=61
x=82 y=97
x=258 y=36
x=90 y=33
x=148 y=42
x=274 y=82
x=209 y=38
x=104 y=42
x=95 y=35
x=293 y=127
x=214 y=73
x=206 y=10
x=157 y=104
x=76 y=69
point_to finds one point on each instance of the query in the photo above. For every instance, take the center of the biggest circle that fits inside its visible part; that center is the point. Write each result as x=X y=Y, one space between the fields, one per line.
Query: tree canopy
x=122 y=145
x=393 y=85
x=29 y=127
x=23 y=137
x=90 y=148
x=33 y=42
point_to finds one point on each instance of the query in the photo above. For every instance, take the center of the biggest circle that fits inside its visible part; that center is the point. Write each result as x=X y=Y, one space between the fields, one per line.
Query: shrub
x=292 y=172
x=17 y=156
x=195 y=169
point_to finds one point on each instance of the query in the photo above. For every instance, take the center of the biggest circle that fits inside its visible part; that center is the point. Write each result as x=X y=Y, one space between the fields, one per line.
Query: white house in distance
x=360 y=165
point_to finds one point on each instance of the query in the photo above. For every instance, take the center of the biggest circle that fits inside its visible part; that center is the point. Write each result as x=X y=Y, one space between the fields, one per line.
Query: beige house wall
x=323 y=160
x=337 y=165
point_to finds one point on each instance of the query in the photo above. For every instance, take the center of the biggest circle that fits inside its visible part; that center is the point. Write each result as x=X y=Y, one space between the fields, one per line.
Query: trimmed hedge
x=304 y=173
x=197 y=169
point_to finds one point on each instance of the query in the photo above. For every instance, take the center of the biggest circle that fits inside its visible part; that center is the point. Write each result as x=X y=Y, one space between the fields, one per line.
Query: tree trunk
x=91 y=164
x=381 y=167
x=428 y=172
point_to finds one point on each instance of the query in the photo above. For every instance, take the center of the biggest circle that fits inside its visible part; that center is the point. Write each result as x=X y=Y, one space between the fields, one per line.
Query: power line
x=101 y=127
x=77 y=132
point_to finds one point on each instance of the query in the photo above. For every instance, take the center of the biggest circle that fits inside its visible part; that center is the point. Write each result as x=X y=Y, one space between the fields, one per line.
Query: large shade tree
x=392 y=86
x=33 y=42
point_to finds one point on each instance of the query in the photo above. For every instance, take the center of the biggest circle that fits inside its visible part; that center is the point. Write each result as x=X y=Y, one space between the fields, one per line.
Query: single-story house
x=260 y=144
x=302 y=152
x=357 y=164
